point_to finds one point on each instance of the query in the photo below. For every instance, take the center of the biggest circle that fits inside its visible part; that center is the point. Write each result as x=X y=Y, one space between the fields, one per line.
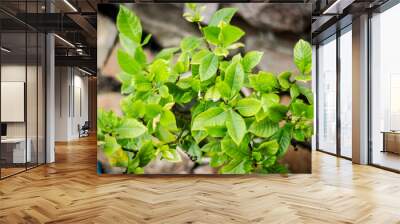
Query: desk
x=16 y=147
x=391 y=141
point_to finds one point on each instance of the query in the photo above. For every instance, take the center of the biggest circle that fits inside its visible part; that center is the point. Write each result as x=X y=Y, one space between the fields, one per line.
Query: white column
x=50 y=98
x=360 y=90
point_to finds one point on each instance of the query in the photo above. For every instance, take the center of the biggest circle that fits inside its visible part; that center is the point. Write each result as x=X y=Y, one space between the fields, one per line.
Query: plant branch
x=202 y=33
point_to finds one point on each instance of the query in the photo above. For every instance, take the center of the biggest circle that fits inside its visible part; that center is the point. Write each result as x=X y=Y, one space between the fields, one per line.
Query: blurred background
x=273 y=28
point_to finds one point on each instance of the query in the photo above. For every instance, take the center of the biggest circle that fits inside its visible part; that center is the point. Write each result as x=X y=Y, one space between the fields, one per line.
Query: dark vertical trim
x=26 y=87
x=370 y=90
x=37 y=92
x=338 y=95
x=45 y=96
x=317 y=96
x=45 y=88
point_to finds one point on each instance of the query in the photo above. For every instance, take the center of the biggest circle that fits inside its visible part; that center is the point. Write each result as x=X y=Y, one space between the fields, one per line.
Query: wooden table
x=391 y=141
x=13 y=150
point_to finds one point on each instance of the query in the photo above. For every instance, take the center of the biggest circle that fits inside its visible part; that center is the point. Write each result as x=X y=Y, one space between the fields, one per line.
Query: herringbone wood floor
x=70 y=191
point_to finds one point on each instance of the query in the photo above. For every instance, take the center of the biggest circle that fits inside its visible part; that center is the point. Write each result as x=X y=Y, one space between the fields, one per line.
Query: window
x=327 y=96
x=346 y=93
x=385 y=89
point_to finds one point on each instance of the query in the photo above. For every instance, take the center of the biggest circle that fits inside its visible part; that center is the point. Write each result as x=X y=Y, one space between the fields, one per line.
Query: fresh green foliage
x=240 y=133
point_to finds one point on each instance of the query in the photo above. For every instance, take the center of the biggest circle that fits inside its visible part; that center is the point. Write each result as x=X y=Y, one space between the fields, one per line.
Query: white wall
x=71 y=94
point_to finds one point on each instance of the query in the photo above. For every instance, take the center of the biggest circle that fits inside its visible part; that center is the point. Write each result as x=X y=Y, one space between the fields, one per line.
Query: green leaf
x=237 y=166
x=218 y=160
x=107 y=121
x=269 y=148
x=251 y=60
x=212 y=94
x=216 y=132
x=166 y=53
x=299 y=135
x=269 y=161
x=256 y=155
x=164 y=91
x=134 y=109
x=133 y=164
x=307 y=93
x=170 y=154
x=128 y=63
x=195 y=152
x=303 y=78
x=164 y=135
x=199 y=135
x=211 y=34
x=146 y=154
x=208 y=66
x=110 y=145
x=284 y=80
x=261 y=115
x=190 y=43
x=277 y=112
x=303 y=56
x=264 y=82
x=119 y=158
x=248 y=106
x=129 y=24
x=198 y=56
x=300 y=109
x=221 y=51
x=130 y=128
x=230 y=148
x=127 y=87
x=141 y=83
x=168 y=121
x=230 y=34
x=160 y=69
x=152 y=110
x=146 y=39
x=294 y=91
x=128 y=44
x=224 y=14
x=212 y=148
x=264 y=128
x=223 y=89
x=140 y=56
x=234 y=77
x=283 y=136
x=268 y=100
x=236 y=126
x=213 y=117
x=235 y=46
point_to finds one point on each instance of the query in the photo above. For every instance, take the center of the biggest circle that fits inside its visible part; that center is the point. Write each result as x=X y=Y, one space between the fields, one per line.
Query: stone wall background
x=273 y=28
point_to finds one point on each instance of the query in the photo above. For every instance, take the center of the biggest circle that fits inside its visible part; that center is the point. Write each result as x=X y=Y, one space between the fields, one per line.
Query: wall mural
x=205 y=89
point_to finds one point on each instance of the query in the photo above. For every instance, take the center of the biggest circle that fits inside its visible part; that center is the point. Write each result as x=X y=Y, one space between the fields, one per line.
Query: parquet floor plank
x=70 y=191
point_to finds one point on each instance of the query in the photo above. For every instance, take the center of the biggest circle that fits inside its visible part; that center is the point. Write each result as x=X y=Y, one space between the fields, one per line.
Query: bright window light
x=70 y=5
x=64 y=40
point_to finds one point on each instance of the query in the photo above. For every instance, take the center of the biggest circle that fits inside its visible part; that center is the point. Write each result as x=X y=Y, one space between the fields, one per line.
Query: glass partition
x=32 y=98
x=14 y=153
x=22 y=77
x=327 y=96
x=346 y=93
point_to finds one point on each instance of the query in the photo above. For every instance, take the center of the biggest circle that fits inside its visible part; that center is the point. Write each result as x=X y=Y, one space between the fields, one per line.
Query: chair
x=84 y=130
